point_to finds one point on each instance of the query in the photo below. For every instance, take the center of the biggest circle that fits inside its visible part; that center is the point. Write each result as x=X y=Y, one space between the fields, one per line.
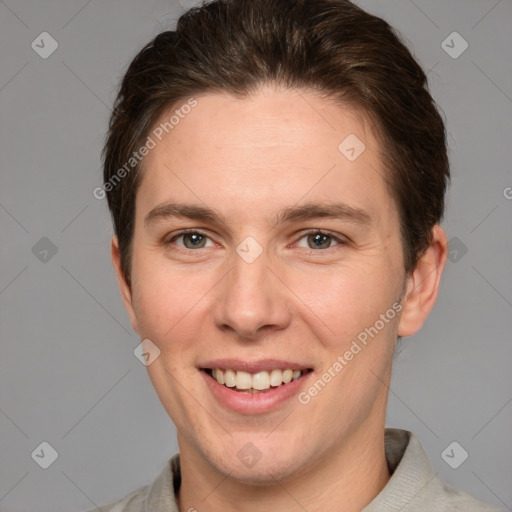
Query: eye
x=318 y=240
x=191 y=240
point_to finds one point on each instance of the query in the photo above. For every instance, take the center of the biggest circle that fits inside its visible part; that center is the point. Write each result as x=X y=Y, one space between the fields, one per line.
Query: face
x=263 y=252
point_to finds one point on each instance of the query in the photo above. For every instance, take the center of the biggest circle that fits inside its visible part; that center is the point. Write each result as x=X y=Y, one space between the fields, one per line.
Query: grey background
x=68 y=375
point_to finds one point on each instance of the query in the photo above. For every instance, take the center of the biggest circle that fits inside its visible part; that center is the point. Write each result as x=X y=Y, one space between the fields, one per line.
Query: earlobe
x=423 y=284
x=124 y=287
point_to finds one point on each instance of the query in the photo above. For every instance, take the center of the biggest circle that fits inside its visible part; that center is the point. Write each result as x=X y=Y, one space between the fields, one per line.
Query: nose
x=252 y=300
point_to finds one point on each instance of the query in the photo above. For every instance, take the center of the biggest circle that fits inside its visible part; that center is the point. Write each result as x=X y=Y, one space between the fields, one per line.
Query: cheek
x=164 y=300
x=342 y=304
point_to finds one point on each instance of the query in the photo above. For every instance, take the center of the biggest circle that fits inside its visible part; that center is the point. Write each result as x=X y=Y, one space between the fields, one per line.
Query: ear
x=423 y=284
x=124 y=287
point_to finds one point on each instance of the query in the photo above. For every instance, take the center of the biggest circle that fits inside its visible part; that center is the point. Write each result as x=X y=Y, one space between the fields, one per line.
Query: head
x=276 y=174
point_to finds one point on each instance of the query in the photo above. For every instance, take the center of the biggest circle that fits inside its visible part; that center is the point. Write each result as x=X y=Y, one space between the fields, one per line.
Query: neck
x=351 y=474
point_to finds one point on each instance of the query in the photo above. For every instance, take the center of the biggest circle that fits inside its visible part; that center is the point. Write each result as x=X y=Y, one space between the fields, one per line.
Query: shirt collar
x=411 y=474
x=411 y=477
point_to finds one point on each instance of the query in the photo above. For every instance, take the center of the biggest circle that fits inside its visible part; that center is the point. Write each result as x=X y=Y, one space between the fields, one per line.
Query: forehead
x=270 y=149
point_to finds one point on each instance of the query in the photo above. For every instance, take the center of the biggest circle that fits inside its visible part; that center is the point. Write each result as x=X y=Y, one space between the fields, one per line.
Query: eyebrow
x=339 y=211
x=186 y=211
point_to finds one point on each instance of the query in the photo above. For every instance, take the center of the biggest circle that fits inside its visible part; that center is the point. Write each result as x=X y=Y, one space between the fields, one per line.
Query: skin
x=248 y=159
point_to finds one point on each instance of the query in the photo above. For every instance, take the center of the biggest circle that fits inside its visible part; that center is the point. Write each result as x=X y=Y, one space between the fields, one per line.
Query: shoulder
x=455 y=499
x=131 y=503
x=156 y=497
x=451 y=499
x=414 y=486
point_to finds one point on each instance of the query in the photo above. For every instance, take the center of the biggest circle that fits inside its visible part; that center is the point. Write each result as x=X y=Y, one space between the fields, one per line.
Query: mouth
x=258 y=382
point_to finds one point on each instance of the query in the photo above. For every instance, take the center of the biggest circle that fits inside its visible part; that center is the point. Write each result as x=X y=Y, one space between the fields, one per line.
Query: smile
x=258 y=382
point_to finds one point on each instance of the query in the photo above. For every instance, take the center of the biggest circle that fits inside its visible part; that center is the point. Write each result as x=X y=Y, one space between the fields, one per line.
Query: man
x=276 y=174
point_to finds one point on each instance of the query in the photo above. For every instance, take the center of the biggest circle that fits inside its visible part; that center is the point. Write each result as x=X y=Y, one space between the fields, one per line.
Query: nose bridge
x=251 y=297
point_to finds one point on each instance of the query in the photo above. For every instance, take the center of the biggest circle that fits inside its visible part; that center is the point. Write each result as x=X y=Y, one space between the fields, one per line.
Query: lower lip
x=254 y=403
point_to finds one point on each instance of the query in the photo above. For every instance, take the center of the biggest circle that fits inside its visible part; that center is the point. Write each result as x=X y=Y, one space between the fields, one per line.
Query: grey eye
x=194 y=240
x=319 y=241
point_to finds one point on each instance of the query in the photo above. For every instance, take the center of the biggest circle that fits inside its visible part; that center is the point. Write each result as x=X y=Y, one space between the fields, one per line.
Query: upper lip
x=253 y=366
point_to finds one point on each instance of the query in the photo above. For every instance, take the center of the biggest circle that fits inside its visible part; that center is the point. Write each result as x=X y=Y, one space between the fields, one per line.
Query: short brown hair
x=331 y=46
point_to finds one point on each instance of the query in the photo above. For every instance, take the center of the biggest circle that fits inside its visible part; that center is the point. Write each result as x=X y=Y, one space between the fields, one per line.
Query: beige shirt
x=413 y=486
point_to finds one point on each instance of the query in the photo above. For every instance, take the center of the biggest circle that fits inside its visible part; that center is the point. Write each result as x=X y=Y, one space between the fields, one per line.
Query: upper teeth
x=260 y=381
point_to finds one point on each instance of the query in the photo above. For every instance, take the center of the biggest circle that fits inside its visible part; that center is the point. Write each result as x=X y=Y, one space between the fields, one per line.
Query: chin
x=260 y=463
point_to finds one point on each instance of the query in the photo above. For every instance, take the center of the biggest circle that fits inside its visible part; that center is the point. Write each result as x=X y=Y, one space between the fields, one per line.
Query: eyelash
x=339 y=240
x=185 y=250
